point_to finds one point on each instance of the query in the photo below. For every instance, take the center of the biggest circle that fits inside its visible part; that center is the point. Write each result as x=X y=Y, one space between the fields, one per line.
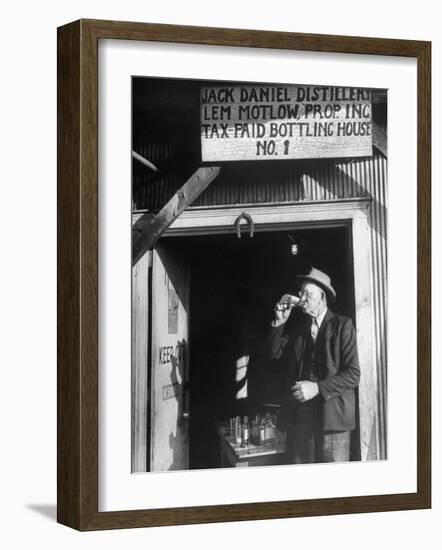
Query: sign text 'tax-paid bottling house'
x=284 y=122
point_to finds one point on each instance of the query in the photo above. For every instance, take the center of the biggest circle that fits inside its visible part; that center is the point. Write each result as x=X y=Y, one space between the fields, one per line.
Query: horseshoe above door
x=248 y=219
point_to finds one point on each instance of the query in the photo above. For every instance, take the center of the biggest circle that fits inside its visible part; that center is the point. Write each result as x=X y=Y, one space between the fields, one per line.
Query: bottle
x=270 y=427
x=262 y=433
x=253 y=432
x=245 y=431
x=238 y=430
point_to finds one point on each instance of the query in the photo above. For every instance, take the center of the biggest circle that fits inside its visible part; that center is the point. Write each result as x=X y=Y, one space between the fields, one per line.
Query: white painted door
x=170 y=364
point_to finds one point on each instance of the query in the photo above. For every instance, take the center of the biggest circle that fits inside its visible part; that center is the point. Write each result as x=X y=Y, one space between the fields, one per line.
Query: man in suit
x=320 y=353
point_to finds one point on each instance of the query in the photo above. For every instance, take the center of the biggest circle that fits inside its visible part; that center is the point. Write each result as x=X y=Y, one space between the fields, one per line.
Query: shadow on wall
x=345 y=181
x=177 y=379
x=175 y=260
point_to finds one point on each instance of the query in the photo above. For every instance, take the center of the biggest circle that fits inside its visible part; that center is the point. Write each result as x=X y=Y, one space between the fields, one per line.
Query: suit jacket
x=336 y=363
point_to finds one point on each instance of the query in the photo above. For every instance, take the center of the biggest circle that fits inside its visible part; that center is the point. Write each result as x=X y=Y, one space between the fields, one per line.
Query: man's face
x=312 y=298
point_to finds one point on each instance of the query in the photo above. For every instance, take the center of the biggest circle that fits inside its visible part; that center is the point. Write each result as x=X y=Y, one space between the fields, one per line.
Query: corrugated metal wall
x=291 y=182
x=244 y=183
x=365 y=177
x=376 y=184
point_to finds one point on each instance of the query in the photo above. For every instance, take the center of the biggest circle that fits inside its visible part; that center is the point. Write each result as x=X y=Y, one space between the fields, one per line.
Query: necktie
x=314 y=330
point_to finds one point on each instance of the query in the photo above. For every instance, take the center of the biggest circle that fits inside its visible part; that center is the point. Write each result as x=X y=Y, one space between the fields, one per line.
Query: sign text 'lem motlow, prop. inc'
x=284 y=122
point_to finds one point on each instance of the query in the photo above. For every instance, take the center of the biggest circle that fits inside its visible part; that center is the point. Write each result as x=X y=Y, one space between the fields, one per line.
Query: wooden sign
x=284 y=122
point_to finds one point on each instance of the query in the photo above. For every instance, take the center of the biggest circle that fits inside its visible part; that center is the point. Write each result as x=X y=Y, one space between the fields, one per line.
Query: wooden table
x=234 y=455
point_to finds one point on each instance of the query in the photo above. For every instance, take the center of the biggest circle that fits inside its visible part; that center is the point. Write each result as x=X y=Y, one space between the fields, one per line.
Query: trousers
x=308 y=443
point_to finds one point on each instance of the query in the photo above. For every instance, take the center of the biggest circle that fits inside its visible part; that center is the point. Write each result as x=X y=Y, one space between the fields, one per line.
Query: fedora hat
x=321 y=279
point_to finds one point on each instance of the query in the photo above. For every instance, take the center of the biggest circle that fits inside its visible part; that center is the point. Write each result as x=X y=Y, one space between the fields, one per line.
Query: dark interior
x=234 y=286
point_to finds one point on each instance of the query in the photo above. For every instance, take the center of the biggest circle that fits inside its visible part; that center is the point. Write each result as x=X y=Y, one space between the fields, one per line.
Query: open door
x=169 y=442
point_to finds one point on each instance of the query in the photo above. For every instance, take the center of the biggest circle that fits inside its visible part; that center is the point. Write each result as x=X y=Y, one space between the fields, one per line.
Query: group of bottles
x=257 y=431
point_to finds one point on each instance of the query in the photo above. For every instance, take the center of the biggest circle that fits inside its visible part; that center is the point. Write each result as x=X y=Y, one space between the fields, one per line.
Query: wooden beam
x=144 y=161
x=145 y=235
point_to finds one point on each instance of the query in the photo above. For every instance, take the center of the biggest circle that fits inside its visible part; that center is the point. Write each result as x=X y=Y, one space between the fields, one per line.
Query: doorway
x=233 y=286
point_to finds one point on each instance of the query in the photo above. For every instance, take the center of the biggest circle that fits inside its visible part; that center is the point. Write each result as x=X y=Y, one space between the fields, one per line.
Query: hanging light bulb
x=294 y=247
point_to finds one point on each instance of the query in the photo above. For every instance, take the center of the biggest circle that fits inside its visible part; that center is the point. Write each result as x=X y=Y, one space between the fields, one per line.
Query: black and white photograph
x=259 y=274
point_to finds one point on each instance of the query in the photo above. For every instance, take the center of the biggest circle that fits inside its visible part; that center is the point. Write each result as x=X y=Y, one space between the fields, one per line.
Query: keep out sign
x=168 y=354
